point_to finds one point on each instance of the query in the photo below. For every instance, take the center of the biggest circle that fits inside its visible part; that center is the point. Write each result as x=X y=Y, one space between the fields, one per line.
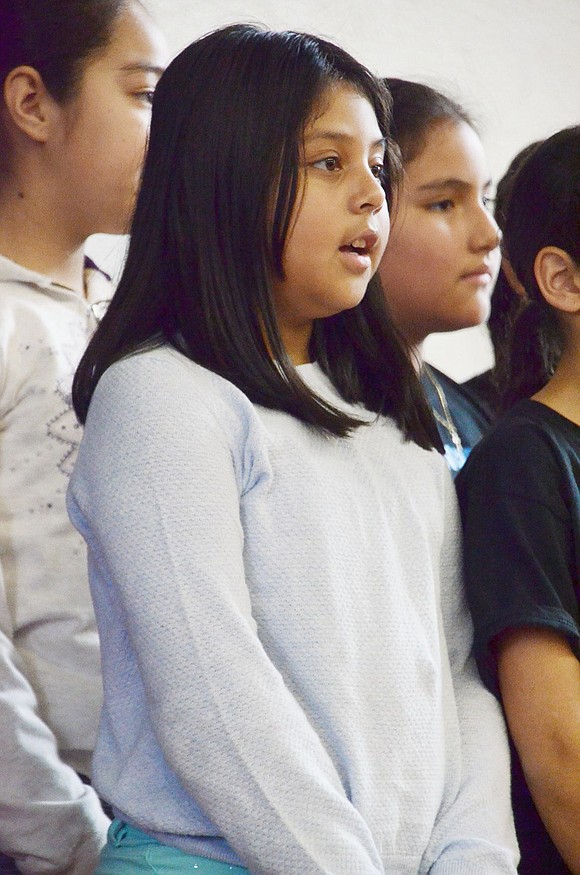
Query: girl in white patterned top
x=77 y=78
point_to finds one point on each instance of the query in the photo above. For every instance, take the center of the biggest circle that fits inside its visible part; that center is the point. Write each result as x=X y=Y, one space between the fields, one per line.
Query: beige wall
x=515 y=64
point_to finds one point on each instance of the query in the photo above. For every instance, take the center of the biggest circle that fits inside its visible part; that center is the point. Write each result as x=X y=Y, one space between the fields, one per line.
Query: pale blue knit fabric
x=284 y=639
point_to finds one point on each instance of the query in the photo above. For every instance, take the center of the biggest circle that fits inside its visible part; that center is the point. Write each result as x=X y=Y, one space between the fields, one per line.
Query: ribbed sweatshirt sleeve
x=157 y=496
x=475 y=831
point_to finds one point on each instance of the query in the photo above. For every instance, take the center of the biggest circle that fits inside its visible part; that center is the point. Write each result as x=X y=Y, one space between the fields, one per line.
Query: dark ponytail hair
x=416 y=107
x=220 y=182
x=56 y=37
x=505 y=302
x=543 y=210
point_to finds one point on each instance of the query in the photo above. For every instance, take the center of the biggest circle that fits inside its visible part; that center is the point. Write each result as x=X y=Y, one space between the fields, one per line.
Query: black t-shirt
x=519 y=495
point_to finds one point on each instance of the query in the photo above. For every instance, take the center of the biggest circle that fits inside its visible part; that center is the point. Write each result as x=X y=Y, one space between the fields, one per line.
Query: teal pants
x=129 y=851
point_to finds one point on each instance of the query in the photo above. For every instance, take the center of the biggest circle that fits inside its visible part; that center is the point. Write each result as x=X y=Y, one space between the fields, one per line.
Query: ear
x=558 y=277
x=28 y=102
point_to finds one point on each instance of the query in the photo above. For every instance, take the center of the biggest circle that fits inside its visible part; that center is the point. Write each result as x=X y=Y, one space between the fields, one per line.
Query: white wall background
x=514 y=64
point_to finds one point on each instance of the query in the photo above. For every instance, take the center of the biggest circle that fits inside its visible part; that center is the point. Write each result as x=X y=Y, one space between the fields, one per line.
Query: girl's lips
x=480 y=276
x=356 y=253
x=355 y=262
x=365 y=242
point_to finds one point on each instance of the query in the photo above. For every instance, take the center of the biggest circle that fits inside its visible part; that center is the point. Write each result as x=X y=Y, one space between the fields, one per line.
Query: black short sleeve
x=519 y=495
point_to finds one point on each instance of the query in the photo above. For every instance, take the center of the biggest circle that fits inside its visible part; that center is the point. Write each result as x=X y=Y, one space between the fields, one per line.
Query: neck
x=416 y=353
x=35 y=235
x=297 y=343
x=562 y=393
x=415 y=347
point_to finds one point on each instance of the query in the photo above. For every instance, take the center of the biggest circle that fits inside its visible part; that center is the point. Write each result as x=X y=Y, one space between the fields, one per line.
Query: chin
x=466 y=320
x=477 y=319
x=347 y=302
x=475 y=314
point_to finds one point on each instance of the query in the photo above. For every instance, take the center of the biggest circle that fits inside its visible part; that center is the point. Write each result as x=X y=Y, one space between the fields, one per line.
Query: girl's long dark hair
x=505 y=302
x=220 y=181
x=416 y=107
x=543 y=210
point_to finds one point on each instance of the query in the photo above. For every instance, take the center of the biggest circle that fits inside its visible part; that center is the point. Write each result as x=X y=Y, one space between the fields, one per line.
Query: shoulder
x=527 y=447
x=39 y=344
x=463 y=401
x=18 y=282
x=527 y=468
x=162 y=379
x=161 y=403
x=19 y=298
x=483 y=394
x=471 y=418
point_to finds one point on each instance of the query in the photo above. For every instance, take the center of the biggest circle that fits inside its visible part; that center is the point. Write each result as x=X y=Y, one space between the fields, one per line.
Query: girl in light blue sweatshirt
x=273 y=541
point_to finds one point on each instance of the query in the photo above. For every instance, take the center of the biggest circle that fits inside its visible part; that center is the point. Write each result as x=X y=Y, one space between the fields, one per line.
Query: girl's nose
x=370 y=196
x=487 y=233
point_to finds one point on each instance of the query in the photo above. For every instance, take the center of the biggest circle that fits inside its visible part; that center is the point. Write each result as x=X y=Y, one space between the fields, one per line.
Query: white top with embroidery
x=50 y=687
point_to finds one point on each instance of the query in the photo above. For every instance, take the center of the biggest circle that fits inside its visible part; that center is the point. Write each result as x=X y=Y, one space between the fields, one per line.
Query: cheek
x=383 y=226
x=125 y=158
x=495 y=258
x=406 y=262
x=311 y=229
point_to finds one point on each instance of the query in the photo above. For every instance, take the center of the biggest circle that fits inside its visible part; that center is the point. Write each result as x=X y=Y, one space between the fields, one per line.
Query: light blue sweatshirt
x=285 y=641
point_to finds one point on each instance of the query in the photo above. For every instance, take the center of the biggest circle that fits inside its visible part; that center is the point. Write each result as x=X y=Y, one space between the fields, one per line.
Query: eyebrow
x=141 y=68
x=339 y=137
x=451 y=182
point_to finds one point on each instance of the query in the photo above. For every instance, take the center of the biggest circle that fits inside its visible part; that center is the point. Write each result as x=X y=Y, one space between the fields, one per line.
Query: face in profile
x=340 y=223
x=104 y=127
x=439 y=267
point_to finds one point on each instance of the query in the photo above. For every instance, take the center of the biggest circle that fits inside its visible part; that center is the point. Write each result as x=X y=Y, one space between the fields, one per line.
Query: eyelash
x=323 y=164
x=378 y=170
x=147 y=96
x=443 y=206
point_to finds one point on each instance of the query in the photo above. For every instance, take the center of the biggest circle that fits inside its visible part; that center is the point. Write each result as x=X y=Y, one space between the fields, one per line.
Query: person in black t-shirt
x=520 y=501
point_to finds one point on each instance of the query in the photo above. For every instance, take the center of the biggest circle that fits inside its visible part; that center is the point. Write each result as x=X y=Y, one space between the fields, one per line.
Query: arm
x=539 y=679
x=474 y=832
x=50 y=822
x=517 y=498
x=166 y=532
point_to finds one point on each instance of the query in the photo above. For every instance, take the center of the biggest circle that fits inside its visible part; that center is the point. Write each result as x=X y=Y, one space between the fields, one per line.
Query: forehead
x=135 y=40
x=452 y=150
x=343 y=111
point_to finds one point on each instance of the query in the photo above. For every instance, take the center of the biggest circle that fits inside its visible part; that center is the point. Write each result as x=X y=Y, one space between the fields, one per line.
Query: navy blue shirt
x=469 y=417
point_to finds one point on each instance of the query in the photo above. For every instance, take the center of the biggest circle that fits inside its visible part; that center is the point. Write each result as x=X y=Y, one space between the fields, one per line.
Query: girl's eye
x=488 y=202
x=378 y=170
x=331 y=163
x=146 y=96
x=441 y=206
